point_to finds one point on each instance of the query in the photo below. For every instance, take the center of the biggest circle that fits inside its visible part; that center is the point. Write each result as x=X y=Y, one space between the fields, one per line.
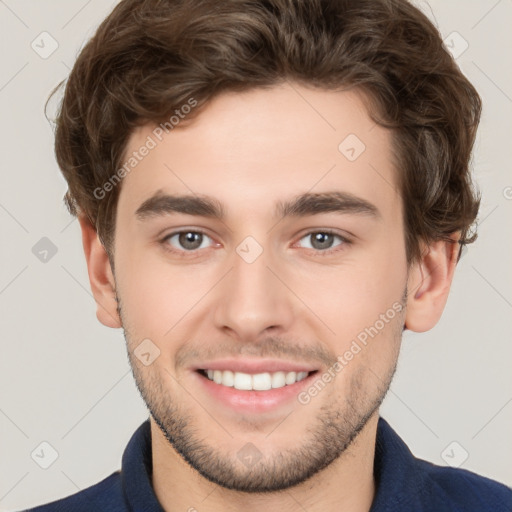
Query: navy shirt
x=404 y=483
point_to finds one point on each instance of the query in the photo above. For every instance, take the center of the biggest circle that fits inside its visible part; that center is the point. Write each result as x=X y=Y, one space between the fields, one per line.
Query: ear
x=429 y=283
x=101 y=277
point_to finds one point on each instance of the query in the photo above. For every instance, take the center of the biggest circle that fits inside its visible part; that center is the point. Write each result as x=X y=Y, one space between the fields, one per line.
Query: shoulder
x=463 y=490
x=106 y=495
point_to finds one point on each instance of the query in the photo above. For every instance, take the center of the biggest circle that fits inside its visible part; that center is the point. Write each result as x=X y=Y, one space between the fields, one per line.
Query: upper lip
x=254 y=366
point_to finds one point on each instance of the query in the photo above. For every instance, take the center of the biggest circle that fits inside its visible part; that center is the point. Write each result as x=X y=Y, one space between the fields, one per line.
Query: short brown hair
x=149 y=57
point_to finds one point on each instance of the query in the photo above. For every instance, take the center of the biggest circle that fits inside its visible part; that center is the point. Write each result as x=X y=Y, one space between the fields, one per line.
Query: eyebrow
x=303 y=205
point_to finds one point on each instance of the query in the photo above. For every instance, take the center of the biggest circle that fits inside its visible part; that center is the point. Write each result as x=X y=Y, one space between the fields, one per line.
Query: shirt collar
x=398 y=480
x=137 y=472
x=396 y=475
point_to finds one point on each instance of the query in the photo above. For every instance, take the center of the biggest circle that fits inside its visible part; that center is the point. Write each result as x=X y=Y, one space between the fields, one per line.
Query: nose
x=254 y=298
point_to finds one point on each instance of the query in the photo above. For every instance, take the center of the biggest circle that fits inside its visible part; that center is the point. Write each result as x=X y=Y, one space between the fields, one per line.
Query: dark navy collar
x=404 y=483
x=398 y=480
x=137 y=472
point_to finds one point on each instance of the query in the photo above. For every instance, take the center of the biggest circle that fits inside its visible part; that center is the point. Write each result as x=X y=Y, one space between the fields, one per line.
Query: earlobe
x=100 y=275
x=429 y=284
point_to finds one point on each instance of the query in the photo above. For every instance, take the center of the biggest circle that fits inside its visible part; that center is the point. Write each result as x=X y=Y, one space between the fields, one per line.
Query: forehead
x=257 y=147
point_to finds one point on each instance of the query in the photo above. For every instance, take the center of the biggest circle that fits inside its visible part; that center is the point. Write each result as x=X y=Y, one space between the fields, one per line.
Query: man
x=269 y=194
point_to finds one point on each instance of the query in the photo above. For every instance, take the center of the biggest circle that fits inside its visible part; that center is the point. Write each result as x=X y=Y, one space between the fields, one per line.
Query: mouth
x=235 y=392
x=254 y=382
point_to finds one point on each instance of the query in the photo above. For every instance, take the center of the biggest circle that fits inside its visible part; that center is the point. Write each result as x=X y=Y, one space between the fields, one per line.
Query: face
x=298 y=286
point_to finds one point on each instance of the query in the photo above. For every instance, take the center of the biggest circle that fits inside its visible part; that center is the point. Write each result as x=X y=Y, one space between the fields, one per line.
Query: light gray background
x=65 y=378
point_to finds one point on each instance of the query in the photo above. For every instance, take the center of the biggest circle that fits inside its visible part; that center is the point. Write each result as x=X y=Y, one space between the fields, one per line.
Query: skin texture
x=295 y=302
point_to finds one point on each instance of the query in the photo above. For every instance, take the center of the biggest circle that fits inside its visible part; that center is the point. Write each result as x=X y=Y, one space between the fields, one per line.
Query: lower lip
x=254 y=401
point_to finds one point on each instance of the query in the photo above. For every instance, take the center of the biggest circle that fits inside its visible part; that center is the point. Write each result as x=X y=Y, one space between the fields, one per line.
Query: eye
x=322 y=241
x=185 y=241
x=190 y=241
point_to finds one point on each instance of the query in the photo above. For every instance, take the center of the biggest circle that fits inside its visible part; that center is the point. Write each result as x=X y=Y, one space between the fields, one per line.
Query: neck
x=347 y=484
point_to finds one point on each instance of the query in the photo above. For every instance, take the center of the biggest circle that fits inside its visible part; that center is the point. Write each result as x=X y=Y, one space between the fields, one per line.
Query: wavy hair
x=149 y=57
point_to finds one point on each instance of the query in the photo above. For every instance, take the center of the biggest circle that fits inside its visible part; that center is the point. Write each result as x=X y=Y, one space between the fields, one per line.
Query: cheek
x=355 y=297
x=362 y=303
x=155 y=296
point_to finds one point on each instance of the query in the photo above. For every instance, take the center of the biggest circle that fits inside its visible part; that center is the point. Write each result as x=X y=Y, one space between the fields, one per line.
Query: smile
x=255 y=382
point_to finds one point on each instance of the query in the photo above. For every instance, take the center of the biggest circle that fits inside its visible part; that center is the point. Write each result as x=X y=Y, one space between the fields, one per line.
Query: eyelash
x=185 y=254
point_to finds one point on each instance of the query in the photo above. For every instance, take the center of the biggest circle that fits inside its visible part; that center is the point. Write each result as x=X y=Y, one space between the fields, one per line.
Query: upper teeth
x=258 y=381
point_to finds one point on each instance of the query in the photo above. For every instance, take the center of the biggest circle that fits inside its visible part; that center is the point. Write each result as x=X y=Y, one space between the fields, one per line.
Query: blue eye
x=192 y=240
x=322 y=241
x=188 y=240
